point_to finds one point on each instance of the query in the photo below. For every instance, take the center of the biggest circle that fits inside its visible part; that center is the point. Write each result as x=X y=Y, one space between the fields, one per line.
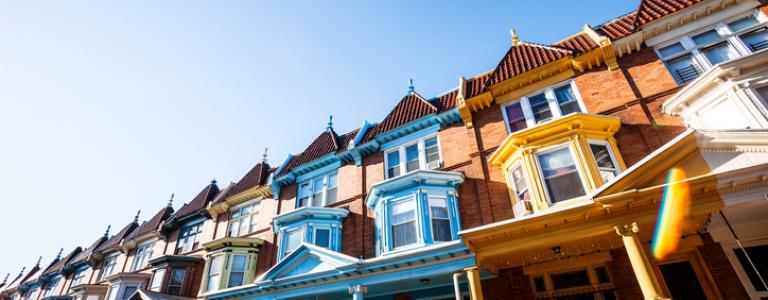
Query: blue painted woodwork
x=308 y=219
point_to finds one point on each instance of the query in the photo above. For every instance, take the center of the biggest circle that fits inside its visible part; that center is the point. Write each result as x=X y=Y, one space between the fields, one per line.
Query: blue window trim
x=410 y=137
x=308 y=219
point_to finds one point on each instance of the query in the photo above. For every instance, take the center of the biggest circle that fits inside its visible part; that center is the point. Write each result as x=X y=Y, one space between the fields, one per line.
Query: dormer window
x=78 y=277
x=320 y=226
x=421 y=154
x=142 y=256
x=188 y=237
x=548 y=104
x=319 y=191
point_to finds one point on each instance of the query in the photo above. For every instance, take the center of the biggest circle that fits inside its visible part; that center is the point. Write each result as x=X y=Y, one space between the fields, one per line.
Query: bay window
x=188 y=238
x=440 y=219
x=293 y=239
x=319 y=226
x=142 y=256
x=318 y=191
x=176 y=281
x=157 y=280
x=244 y=219
x=560 y=174
x=422 y=154
x=518 y=182
x=237 y=270
x=403 y=222
x=551 y=103
x=323 y=237
x=606 y=163
x=215 y=265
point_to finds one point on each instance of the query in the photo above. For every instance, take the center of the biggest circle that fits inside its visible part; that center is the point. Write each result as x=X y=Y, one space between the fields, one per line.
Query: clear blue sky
x=107 y=108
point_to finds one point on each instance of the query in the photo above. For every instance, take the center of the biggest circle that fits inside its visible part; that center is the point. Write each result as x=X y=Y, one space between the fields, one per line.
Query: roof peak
x=515 y=39
x=411 y=88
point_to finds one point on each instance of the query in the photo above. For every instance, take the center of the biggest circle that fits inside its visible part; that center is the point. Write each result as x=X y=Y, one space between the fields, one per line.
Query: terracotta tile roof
x=59 y=265
x=651 y=10
x=151 y=225
x=257 y=176
x=524 y=57
x=411 y=107
x=445 y=101
x=117 y=238
x=199 y=202
x=476 y=85
x=618 y=28
x=579 y=43
x=326 y=143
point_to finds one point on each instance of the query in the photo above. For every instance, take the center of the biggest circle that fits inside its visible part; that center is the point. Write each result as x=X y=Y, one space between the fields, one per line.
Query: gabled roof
x=523 y=57
x=578 y=43
x=307 y=260
x=619 y=27
x=117 y=238
x=200 y=201
x=60 y=263
x=476 y=85
x=410 y=107
x=83 y=255
x=142 y=294
x=257 y=176
x=651 y=10
x=151 y=225
x=326 y=143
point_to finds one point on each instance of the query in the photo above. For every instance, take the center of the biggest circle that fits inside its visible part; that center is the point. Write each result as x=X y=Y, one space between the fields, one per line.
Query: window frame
x=143 y=257
x=182 y=237
x=513 y=185
x=254 y=212
x=543 y=179
x=310 y=183
x=554 y=105
x=594 y=281
x=77 y=279
x=314 y=235
x=421 y=148
x=111 y=261
x=416 y=227
x=730 y=247
x=158 y=276
x=51 y=285
x=447 y=218
x=231 y=269
x=220 y=272
x=284 y=239
x=612 y=155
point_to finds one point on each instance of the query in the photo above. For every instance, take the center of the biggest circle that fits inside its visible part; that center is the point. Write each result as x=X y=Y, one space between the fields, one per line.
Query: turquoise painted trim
x=410 y=137
x=194 y=221
x=275 y=183
x=361 y=134
x=321 y=171
x=308 y=219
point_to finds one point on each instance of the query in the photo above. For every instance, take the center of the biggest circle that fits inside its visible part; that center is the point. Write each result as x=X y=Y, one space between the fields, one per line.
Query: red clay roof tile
x=651 y=10
x=618 y=28
x=257 y=176
x=579 y=43
x=524 y=57
x=411 y=107
x=326 y=143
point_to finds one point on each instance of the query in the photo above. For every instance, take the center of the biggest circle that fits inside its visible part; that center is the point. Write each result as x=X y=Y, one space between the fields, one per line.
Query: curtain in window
x=403 y=220
x=604 y=162
x=176 y=281
x=441 y=223
x=560 y=175
x=292 y=241
x=567 y=100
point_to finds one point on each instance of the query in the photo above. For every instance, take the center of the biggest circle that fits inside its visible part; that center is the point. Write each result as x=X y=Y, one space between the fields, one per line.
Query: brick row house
x=541 y=178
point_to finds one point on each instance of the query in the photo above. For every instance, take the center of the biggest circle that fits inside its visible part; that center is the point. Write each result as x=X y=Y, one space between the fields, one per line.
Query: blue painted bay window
x=319 y=226
x=415 y=210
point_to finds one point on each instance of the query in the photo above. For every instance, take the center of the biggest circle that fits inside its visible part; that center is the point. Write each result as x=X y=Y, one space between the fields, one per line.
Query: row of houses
x=541 y=178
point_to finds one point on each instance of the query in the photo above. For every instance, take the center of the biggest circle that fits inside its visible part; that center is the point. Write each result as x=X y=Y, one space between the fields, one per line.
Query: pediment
x=309 y=260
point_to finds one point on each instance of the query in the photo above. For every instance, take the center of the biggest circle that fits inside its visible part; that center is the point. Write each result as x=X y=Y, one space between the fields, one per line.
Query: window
x=561 y=177
x=687 y=58
x=518 y=181
x=129 y=290
x=78 y=277
x=237 y=272
x=551 y=103
x=157 y=280
x=143 y=255
x=292 y=240
x=176 y=281
x=403 y=222
x=51 y=286
x=244 y=219
x=440 y=221
x=323 y=237
x=759 y=257
x=188 y=238
x=423 y=154
x=31 y=294
x=319 y=191
x=604 y=159
x=575 y=284
x=108 y=266
x=214 y=272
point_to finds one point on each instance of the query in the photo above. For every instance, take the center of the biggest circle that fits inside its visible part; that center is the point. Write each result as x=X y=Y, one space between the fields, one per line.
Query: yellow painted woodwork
x=475 y=288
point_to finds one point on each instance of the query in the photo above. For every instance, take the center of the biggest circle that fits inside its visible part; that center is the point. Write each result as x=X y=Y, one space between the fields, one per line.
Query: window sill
x=413 y=247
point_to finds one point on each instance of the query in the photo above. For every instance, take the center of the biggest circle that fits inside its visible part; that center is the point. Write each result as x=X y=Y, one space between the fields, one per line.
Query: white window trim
x=156 y=277
x=728 y=247
x=182 y=241
x=145 y=257
x=254 y=211
x=543 y=180
x=113 y=257
x=231 y=267
x=554 y=107
x=429 y=213
x=217 y=285
x=726 y=34
x=422 y=155
x=610 y=153
x=326 y=179
x=284 y=239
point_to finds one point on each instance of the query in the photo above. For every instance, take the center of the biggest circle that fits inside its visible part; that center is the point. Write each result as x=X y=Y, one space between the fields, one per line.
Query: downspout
x=456 y=287
x=738 y=242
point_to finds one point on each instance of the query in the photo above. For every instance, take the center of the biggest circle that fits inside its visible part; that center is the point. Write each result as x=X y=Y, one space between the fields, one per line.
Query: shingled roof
x=117 y=238
x=652 y=10
x=619 y=27
x=256 y=176
x=579 y=43
x=83 y=255
x=411 y=107
x=151 y=225
x=523 y=57
x=200 y=201
x=58 y=266
x=326 y=143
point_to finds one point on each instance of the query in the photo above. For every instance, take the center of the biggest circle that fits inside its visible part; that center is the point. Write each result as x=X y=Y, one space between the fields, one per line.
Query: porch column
x=358 y=291
x=641 y=266
x=475 y=289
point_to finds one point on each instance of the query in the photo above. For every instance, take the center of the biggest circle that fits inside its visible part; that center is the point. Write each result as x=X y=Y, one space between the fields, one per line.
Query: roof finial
x=264 y=156
x=106 y=233
x=39 y=259
x=58 y=256
x=411 y=89
x=22 y=271
x=330 y=125
x=6 y=277
x=170 y=201
x=136 y=218
x=515 y=39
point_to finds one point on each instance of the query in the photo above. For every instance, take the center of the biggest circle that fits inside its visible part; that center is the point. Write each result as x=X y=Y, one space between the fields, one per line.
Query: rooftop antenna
x=170 y=201
x=106 y=233
x=411 y=89
x=264 y=156
x=136 y=218
x=515 y=39
x=330 y=126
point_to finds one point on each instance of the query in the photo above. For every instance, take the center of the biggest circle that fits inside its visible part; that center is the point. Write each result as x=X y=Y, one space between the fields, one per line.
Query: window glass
x=515 y=117
x=744 y=23
x=330 y=194
x=602 y=274
x=684 y=69
x=604 y=161
x=571 y=279
x=237 y=273
x=128 y=292
x=108 y=266
x=157 y=280
x=519 y=182
x=304 y=193
x=671 y=50
x=78 y=278
x=317 y=188
x=719 y=53
x=567 y=100
x=255 y=210
x=176 y=281
x=759 y=257
x=51 y=286
x=756 y=40
x=706 y=37
x=432 y=152
x=441 y=223
x=411 y=158
x=214 y=272
x=292 y=241
x=188 y=238
x=393 y=164
x=403 y=222
x=539 y=285
x=142 y=256
x=540 y=108
x=323 y=237
x=560 y=175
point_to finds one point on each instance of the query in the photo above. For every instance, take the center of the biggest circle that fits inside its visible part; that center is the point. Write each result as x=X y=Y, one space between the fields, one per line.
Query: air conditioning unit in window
x=435 y=164
x=523 y=208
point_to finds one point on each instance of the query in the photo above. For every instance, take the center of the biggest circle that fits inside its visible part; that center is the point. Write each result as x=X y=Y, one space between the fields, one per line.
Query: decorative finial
x=515 y=39
x=170 y=201
x=40 y=258
x=330 y=124
x=264 y=156
x=106 y=233
x=411 y=89
x=136 y=218
x=22 y=271
x=6 y=277
x=58 y=256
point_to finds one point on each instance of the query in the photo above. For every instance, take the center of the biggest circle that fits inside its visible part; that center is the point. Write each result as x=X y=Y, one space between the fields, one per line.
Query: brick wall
x=509 y=284
x=623 y=278
x=719 y=266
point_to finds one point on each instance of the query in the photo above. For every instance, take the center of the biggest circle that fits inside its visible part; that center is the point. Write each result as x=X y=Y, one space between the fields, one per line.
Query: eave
x=240 y=242
x=309 y=213
x=413 y=179
x=264 y=191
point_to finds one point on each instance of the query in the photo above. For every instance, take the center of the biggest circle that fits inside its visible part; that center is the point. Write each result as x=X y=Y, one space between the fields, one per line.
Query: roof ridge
x=551 y=47
x=415 y=93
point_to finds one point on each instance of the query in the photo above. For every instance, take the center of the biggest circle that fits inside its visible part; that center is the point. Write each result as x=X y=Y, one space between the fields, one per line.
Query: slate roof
x=83 y=255
x=200 y=201
x=257 y=176
x=151 y=225
x=525 y=57
x=117 y=238
x=58 y=266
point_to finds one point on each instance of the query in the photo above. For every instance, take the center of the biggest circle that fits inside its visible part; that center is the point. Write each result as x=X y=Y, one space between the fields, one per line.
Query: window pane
x=560 y=175
x=157 y=280
x=412 y=158
x=393 y=164
x=129 y=290
x=304 y=192
x=403 y=220
x=538 y=283
x=756 y=40
x=570 y=279
x=540 y=108
x=567 y=100
x=519 y=182
x=176 y=281
x=432 y=152
x=602 y=274
x=214 y=272
x=759 y=257
x=720 y=53
x=237 y=271
x=404 y=234
x=441 y=224
x=604 y=162
x=743 y=23
x=684 y=69
x=671 y=50
x=323 y=238
x=234 y=228
x=292 y=241
x=317 y=189
x=706 y=37
x=515 y=117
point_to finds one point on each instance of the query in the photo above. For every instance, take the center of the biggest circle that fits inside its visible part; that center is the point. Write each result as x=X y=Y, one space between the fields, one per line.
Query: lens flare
x=675 y=205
